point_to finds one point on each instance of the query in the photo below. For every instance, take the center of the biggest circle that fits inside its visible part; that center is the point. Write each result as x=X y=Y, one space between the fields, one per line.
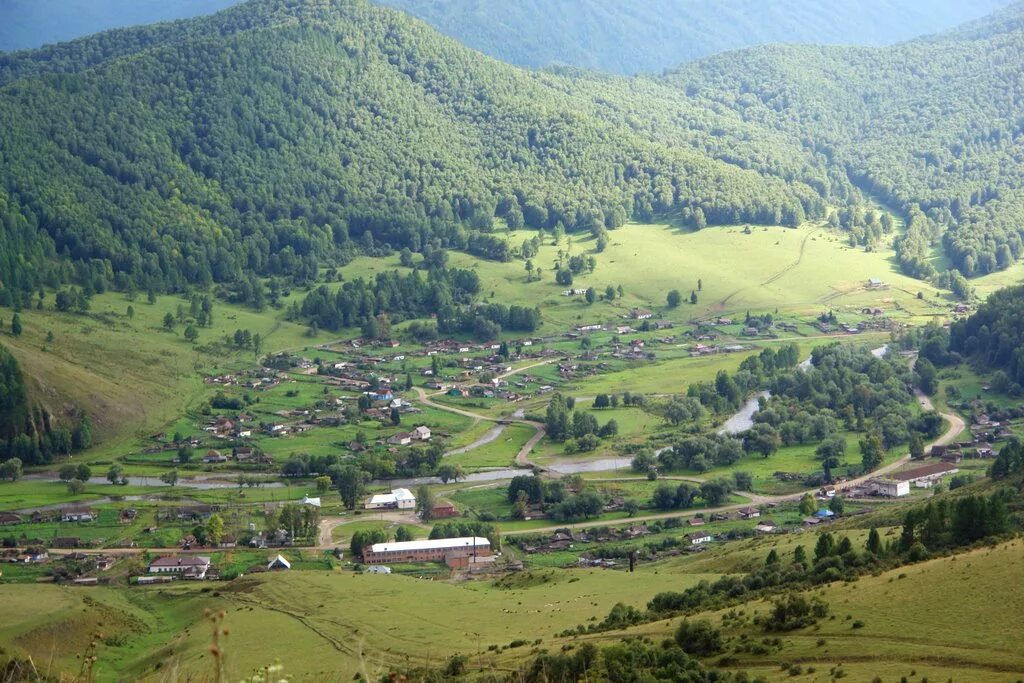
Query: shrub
x=698 y=638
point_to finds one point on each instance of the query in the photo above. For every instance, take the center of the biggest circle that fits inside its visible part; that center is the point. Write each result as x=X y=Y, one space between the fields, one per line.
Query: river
x=743 y=419
x=200 y=483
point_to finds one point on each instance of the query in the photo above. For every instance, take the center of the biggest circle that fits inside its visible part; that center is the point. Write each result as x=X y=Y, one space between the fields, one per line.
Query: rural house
x=892 y=488
x=400 y=499
x=698 y=538
x=189 y=566
x=924 y=476
x=77 y=514
x=435 y=550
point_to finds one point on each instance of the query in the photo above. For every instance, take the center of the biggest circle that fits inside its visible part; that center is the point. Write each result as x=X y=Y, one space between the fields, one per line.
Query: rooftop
x=924 y=471
x=182 y=561
x=434 y=544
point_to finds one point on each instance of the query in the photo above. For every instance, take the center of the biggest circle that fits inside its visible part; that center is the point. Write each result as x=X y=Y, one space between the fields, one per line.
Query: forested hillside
x=931 y=127
x=649 y=36
x=280 y=135
x=277 y=134
x=994 y=337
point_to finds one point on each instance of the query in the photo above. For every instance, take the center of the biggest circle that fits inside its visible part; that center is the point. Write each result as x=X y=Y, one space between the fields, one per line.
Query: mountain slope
x=649 y=36
x=272 y=135
x=931 y=127
x=282 y=134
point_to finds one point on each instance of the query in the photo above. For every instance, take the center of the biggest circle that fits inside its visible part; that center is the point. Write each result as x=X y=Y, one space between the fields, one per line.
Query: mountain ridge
x=280 y=134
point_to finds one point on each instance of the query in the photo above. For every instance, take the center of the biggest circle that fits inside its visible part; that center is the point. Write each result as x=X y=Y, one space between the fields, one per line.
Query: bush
x=698 y=638
x=794 y=611
x=456 y=665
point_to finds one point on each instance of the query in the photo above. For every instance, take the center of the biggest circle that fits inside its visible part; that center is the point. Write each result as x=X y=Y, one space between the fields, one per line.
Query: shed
x=279 y=562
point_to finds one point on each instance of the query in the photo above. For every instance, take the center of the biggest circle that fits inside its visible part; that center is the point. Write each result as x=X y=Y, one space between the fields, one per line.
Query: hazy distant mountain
x=619 y=36
x=622 y=36
x=31 y=23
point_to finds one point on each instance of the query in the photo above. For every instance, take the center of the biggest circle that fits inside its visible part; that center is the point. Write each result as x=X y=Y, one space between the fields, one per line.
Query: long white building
x=439 y=549
x=400 y=499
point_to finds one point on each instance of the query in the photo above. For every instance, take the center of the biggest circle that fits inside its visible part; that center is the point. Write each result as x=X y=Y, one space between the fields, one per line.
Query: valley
x=333 y=349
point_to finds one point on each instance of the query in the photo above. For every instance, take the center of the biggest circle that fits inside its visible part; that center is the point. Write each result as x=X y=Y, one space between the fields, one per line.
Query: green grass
x=498 y=453
x=903 y=632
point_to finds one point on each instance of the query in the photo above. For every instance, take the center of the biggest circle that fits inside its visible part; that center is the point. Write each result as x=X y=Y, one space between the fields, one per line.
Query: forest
x=929 y=128
x=29 y=435
x=278 y=137
x=994 y=338
x=193 y=153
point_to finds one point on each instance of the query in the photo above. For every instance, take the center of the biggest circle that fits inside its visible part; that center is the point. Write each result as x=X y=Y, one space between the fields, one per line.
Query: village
x=299 y=413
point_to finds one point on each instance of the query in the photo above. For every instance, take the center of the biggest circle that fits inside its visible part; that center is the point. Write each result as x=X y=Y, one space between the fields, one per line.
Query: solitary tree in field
x=130 y=312
x=168 y=321
x=916 y=445
x=836 y=505
x=10 y=469
x=191 y=333
x=874 y=545
x=16 y=325
x=808 y=506
x=674 y=298
x=872 y=451
x=693 y=298
x=68 y=472
x=114 y=474
x=350 y=486
x=169 y=477
x=591 y=295
x=214 y=529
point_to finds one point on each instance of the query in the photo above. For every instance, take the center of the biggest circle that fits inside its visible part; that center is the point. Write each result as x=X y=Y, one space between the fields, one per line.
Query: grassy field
x=130 y=374
x=913 y=624
x=331 y=625
x=498 y=453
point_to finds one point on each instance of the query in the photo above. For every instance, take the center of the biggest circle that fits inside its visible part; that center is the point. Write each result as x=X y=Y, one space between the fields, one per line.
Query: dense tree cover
x=727 y=392
x=14 y=404
x=276 y=134
x=628 y=661
x=846 y=388
x=649 y=36
x=701 y=453
x=28 y=433
x=390 y=293
x=930 y=127
x=994 y=336
x=950 y=523
x=1008 y=462
x=577 y=429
